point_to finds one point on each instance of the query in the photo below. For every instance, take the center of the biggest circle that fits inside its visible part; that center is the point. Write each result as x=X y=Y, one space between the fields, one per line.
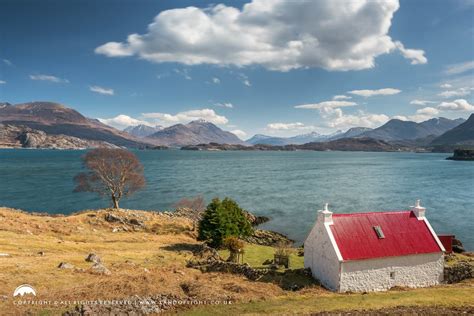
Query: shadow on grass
x=182 y=247
x=290 y=280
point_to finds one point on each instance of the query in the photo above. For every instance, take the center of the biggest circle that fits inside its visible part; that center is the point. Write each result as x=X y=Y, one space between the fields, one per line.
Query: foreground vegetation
x=147 y=252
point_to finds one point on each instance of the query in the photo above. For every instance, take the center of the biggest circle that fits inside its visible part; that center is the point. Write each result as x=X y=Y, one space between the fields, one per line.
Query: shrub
x=223 y=219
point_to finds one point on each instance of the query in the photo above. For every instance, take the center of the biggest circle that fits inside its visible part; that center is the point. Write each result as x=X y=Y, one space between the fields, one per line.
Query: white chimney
x=418 y=210
x=325 y=216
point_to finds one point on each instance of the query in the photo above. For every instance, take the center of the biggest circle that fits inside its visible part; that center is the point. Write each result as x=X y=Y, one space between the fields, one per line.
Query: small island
x=462 y=154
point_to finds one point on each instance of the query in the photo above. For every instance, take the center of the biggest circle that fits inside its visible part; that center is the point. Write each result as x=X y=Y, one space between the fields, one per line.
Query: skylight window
x=379 y=232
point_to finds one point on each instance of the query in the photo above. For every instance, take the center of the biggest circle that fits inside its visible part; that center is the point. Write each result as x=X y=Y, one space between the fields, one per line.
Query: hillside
x=294 y=140
x=406 y=130
x=193 y=133
x=57 y=119
x=462 y=134
x=19 y=136
x=141 y=130
x=143 y=256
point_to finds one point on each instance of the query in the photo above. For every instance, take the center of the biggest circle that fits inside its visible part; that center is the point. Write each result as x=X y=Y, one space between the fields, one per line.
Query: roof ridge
x=370 y=213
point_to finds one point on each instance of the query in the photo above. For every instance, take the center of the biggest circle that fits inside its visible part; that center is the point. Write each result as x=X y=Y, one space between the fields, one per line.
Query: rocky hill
x=56 y=119
x=396 y=129
x=462 y=134
x=193 y=133
x=18 y=136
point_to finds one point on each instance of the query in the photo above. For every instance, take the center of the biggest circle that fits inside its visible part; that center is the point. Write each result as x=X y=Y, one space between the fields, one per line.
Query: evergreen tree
x=223 y=219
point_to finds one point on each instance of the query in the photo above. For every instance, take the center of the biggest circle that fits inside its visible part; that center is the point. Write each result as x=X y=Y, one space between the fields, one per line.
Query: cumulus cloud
x=445 y=86
x=341 y=97
x=417 y=56
x=421 y=102
x=225 y=105
x=286 y=126
x=122 y=121
x=184 y=73
x=240 y=133
x=101 y=90
x=49 y=78
x=456 y=105
x=370 y=93
x=456 y=69
x=3 y=82
x=187 y=116
x=326 y=104
x=216 y=80
x=336 y=118
x=455 y=93
x=278 y=35
x=428 y=111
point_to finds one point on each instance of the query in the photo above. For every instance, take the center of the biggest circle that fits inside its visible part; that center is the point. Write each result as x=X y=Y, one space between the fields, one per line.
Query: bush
x=223 y=219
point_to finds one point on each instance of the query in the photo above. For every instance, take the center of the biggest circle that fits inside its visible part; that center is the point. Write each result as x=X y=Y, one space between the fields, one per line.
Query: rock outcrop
x=19 y=136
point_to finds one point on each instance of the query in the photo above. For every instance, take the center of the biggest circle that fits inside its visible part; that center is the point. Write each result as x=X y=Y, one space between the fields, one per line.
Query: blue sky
x=271 y=67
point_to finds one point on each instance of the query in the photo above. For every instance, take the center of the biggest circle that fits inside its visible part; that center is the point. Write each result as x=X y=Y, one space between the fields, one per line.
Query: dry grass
x=142 y=262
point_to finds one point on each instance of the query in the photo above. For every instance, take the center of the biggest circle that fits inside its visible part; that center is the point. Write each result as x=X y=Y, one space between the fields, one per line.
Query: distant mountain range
x=193 y=133
x=462 y=134
x=141 y=130
x=305 y=138
x=57 y=119
x=52 y=125
x=395 y=130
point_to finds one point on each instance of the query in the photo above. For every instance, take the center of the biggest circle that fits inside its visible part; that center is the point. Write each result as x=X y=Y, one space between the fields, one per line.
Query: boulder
x=99 y=268
x=92 y=257
x=458 y=246
x=65 y=265
x=109 y=217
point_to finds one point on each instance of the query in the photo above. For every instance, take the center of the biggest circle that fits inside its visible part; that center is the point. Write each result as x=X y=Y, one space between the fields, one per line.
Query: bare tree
x=111 y=172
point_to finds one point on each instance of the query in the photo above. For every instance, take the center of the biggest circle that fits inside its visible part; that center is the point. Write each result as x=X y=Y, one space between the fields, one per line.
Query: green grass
x=256 y=255
x=445 y=296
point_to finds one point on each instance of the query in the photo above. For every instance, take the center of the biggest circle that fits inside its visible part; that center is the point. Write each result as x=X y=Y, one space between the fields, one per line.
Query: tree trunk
x=232 y=257
x=115 y=200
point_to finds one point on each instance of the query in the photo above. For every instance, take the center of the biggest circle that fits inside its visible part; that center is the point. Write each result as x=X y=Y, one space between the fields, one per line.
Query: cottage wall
x=383 y=273
x=320 y=256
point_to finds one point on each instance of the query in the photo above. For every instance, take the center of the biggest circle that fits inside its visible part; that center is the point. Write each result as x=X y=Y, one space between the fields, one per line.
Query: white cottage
x=374 y=251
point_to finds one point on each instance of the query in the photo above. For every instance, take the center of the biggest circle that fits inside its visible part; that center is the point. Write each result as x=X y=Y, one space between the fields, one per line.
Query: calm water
x=287 y=186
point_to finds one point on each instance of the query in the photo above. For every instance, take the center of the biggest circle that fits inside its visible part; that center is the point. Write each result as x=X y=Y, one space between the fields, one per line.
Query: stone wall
x=458 y=272
x=228 y=267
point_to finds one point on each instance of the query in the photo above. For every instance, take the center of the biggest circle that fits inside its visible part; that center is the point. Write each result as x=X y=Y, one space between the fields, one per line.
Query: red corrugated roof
x=404 y=235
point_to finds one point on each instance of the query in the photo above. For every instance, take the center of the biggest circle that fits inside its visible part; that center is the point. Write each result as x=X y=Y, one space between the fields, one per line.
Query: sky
x=270 y=67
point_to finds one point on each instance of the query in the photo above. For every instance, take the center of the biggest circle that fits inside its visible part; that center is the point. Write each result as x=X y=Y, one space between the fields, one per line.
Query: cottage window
x=379 y=232
x=392 y=275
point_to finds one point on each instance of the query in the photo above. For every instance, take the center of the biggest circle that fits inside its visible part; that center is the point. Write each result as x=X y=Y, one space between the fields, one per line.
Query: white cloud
x=456 y=105
x=122 y=121
x=101 y=90
x=278 y=35
x=3 y=82
x=240 y=133
x=49 y=78
x=287 y=126
x=341 y=97
x=421 y=102
x=7 y=62
x=445 y=86
x=455 y=93
x=335 y=118
x=187 y=116
x=247 y=83
x=184 y=73
x=417 y=56
x=216 y=80
x=326 y=104
x=428 y=111
x=225 y=105
x=459 y=68
x=370 y=93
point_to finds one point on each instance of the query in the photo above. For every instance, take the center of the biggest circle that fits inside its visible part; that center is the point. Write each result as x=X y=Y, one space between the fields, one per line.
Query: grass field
x=306 y=303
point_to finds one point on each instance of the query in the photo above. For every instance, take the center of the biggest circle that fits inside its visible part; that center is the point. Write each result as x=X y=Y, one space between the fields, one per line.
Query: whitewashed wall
x=320 y=256
x=374 y=274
